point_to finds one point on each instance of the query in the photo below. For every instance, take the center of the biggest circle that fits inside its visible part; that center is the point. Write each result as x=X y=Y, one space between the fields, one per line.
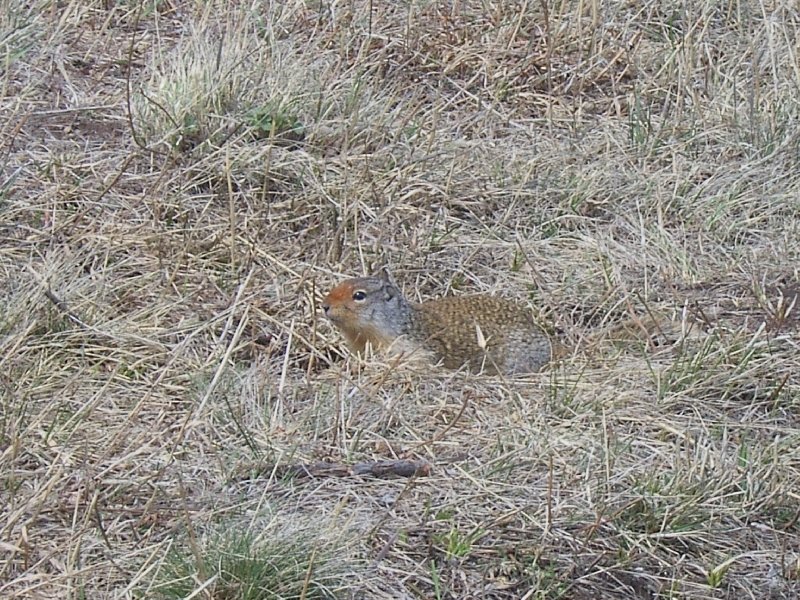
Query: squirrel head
x=368 y=309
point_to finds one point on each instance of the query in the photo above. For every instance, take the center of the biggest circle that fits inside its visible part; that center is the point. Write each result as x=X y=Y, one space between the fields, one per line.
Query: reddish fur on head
x=341 y=294
x=357 y=319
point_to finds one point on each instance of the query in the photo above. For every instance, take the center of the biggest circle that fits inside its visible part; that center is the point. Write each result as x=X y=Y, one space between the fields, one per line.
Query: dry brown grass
x=631 y=169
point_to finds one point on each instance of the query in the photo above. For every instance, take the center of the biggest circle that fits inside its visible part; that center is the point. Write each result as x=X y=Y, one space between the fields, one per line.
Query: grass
x=236 y=564
x=180 y=184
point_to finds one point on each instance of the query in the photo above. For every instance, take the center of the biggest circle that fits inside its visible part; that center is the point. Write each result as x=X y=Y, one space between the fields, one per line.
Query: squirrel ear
x=391 y=291
x=389 y=288
x=383 y=275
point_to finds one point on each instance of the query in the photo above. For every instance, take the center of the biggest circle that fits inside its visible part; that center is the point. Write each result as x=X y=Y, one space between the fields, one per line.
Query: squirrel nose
x=326 y=307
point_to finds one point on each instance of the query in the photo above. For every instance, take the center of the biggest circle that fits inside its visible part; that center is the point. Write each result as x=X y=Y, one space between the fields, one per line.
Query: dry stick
x=373 y=392
x=99 y=520
x=387 y=513
x=62 y=306
x=600 y=521
x=698 y=310
x=490 y=232
x=773 y=397
x=308 y=573
x=386 y=547
x=787 y=309
x=776 y=316
x=76 y=217
x=546 y=296
x=256 y=250
x=563 y=578
x=650 y=314
x=144 y=570
x=202 y=588
x=136 y=138
x=23 y=546
x=201 y=571
x=109 y=557
x=549 y=519
x=634 y=41
x=9 y=139
x=311 y=346
x=516 y=125
x=311 y=356
x=448 y=427
x=277 y=416
x=115 y=179
x=548 y=53
x=518 y=24
x=231 y=206
x=592 y=529
x=33 y=514
x=7 y=356
x=285 y=365
x=791 y=523
x=339 y=408
x=110 y=447
x=378 y=469
x=218 y=374
x=211 y=386
x=162 y=109
x=139 y=142
x=637 y=321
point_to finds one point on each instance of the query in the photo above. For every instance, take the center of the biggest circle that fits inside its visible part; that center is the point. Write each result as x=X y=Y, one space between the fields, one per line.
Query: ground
x=182 y=182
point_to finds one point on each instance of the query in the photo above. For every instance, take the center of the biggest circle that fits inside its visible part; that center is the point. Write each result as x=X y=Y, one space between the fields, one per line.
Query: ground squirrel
x=484 y=332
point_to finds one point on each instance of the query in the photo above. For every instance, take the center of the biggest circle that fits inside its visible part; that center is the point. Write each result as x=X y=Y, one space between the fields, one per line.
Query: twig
x=447 y=428
x=380 y=469
x=62 y=306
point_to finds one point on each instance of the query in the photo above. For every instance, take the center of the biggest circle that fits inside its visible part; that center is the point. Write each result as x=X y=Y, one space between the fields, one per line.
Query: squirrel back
x=484 y=332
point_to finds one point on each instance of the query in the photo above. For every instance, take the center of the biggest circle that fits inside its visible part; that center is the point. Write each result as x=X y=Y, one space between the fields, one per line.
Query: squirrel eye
x=359 y=296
